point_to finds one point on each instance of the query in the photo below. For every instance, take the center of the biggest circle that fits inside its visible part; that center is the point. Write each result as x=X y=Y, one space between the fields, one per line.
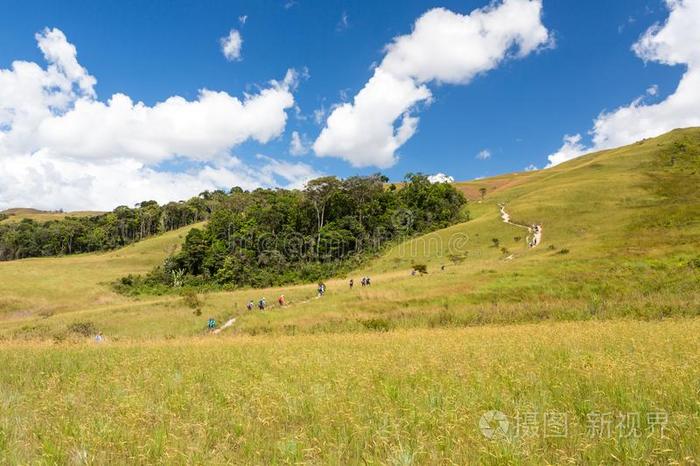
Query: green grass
x=17 y=215
x=33 y=291
x=627 y=217
x=412 y=397
x=396 y=373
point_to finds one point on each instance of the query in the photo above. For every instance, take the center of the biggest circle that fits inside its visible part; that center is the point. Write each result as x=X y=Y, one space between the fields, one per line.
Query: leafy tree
x=270 y=237
x=319 y=193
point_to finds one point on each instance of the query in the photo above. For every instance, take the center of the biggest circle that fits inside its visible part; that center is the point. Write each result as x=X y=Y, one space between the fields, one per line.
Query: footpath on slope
x=232 y=320
x=534 y=230
x=291 y=304
x=226 y=325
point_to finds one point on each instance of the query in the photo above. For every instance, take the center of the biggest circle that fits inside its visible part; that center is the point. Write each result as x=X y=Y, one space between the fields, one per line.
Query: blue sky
x=518 y=111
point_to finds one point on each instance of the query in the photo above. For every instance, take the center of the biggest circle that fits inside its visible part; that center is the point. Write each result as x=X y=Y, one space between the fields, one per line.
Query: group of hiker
x=262 y=303
x=533 y=241
x=366 y=281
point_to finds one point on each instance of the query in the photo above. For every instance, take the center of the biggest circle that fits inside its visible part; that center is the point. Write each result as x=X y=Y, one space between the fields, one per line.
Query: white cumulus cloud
x=62 y=147
x=570 y=149
x=441 y=178
x=444 y=47
x=676 y=42
x=231 y=45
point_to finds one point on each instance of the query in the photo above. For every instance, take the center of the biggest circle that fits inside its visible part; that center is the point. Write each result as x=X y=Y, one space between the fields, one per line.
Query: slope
x=621 y=234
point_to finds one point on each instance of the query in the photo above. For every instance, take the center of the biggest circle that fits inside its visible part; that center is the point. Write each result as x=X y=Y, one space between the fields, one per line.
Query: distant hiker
x=261 y=304
x=368 y=281
x=352 y=282
x=442 y=267
x=99 y=338
x=364 y=281
x=250 y=305
x=413 y=272
x=211 y=324
x=280 y=300
x=321 y=289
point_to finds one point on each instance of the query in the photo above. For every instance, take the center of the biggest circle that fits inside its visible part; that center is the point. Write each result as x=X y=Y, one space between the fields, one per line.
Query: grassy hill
x=18 y=214
x=606 y=308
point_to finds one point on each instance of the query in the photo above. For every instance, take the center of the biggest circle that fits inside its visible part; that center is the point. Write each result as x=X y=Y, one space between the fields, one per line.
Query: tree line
x=271 y=237
x=122 y=226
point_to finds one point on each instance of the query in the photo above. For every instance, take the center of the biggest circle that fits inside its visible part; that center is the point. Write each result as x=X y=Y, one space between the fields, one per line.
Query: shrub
x=377 y=325
x=444 y=318
x=564 y=251
x=456 y=258
x=85 y=328
x=420 y=268
x=190 y=298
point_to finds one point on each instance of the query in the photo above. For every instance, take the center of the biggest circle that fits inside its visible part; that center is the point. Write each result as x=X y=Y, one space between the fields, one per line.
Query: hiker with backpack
x=261 y=304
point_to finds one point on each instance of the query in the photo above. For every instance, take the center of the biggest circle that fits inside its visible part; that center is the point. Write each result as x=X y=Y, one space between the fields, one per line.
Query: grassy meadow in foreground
x=623 y=391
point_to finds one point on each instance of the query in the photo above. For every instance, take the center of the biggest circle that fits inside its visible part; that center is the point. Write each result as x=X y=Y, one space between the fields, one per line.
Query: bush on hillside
x=376 y=325
x=85 y=328
x=190 y=298
x=457 y=259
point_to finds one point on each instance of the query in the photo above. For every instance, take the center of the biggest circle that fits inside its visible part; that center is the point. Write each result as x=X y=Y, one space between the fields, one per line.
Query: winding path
x=226 y=325
x=535 y=230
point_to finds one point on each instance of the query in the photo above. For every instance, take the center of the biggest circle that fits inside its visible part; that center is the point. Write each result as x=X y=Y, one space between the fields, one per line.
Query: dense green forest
x=124 y=225
x=271 y=237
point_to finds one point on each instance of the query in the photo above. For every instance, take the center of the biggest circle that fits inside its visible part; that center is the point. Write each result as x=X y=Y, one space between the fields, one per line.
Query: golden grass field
x=602 y=318
x=405 y=397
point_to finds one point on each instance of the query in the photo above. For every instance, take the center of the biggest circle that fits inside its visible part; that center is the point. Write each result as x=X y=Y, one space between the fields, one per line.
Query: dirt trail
x=534 y=230
x=226 y=325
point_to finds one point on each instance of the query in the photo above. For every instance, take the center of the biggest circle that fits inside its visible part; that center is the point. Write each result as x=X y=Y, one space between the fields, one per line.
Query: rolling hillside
x=599 y=317
x=620 y=235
